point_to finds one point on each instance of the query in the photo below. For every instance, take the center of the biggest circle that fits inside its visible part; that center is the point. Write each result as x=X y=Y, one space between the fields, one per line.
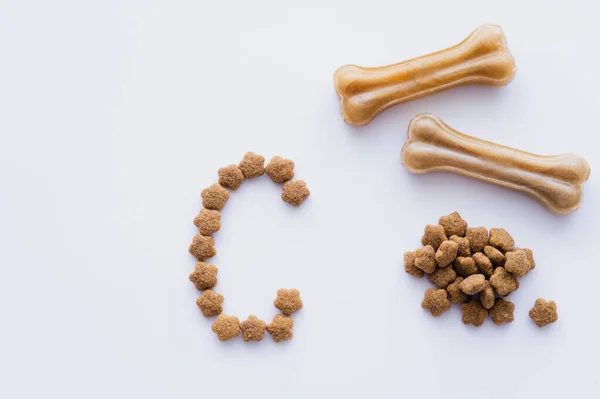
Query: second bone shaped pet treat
x=480 y=58
x=555 y=180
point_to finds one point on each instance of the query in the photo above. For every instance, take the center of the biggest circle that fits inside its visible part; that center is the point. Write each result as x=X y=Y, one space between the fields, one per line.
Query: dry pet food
x=425 y=259
x=434 y=236
x=204 y=276
x=253 y=329
x=202 y=247
x=456 y=294
x=503 y=282
x=436 y=301
x=252 y=165
x=481 y=58
x=231 y=177
x=464 y=246
x=446 y=253
x=295 y=192
x=502 y=312
x=543 y=312
x=473 y=313
x=280 y=170
x=484 y=264
x=516 y=262
x=487 y=296
x=281 y=328
x=214 y=197
x=443 y=276
x=409 y=265
x=499 y=238
x=478 y=238
x=494 y=255
x=453 y=225
x=226 y=327
x=473 y=284
x=288 y=301
x=208 y=221
x=210 y=303
x=556 y=181
x=465 y=266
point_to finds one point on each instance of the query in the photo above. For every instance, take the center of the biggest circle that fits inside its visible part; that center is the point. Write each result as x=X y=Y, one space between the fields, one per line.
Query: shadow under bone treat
x=481 y=58
x=556 y=181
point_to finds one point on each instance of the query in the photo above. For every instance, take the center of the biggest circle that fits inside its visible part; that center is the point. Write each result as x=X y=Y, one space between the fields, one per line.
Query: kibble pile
x=208 y=221
x=476 y=269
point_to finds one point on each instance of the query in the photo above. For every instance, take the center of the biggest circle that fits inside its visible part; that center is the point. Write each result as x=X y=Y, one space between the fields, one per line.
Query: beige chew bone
x=480 y=58
x=555 y=180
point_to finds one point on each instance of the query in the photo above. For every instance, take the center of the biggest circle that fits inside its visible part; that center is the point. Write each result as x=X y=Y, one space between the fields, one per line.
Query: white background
x=114 y=115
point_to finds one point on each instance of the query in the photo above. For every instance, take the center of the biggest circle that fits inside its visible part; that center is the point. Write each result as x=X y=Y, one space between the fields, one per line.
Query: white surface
x=115 y=114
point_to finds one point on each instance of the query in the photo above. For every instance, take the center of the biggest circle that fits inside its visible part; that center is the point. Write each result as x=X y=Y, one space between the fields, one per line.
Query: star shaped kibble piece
x=425 y=259
x=253 y=329
x=502 y=312
x=204 y=276
x=517 y=263
x=543 y=312
x=434 y=236
x=281 y=328
x=208 y=221
x=409 y=265
x=202 y=247
x=231 y=176
x=226 y=327
x=436 y=301
x=214 y=197
x=295 y=192
x=478 y=238
x=210 y=303
x=288 y=301
x=499 y=238
x=473 y=313
x=503 y=282
x=453 y=225
x=252 y=165
x=280 y=170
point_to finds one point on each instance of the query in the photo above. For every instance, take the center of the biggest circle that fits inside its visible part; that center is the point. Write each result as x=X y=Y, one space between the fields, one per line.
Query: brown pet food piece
x=484 y=264
x=473 y=313
x=442 y=277
x=453 y=225
x=465 y=266
x=425 y=259
x=202 y=247
x=409 y=265
x=252 y=165
x=253 y=329
x=464 y=247
x=529 y=254
x=543 y=312
x=473 y=284
x=503 y=282
x=499 y=238
x=204 y=276
x=295 y=192
x=494 y=255
x=231 y=176
x=478 y=238
x=436 y=301
x=208 y=221
x=502 y=312
x=487 y=296
x=214 y=197
x=210 y=303
x=434 y=236
x=288 y=301
x=446 y=253
x=280 y=170
x=456 y=295
x=281 y=328
x=226 y=327
x=516 y=263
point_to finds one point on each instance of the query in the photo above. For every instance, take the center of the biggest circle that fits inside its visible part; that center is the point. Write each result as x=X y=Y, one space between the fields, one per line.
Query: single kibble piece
x=280 y=170
x=226 y=327
x=517 y=263
x=425 y=259
x=494 y=255
x=288 y=301
x=252 y=165
x=502 y=312
x=453 y=225
x=434 y=236
x=529 y=254
x=464 y=247
x=214 y=197
x=202 y=247
x=487 y=296
x=208 y=221
x=210 y=303
x=253 y=329
x=295 y=192
x=499 y=238
x=204 y=276
x=473 y=284
x=436 y=301
x=446 y=253
x=465 y=266
x=473 y=313
x=484 y=264
x=456 y=294
x=231 y=176
x=409 y=265
x=281 y=328
x=478 y=238
x=442 y=277
x=503 y=282
x=543 y=312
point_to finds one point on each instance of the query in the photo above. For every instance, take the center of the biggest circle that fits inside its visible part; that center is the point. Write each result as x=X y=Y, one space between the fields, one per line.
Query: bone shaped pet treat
x=556 y=180
x=480 y=58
